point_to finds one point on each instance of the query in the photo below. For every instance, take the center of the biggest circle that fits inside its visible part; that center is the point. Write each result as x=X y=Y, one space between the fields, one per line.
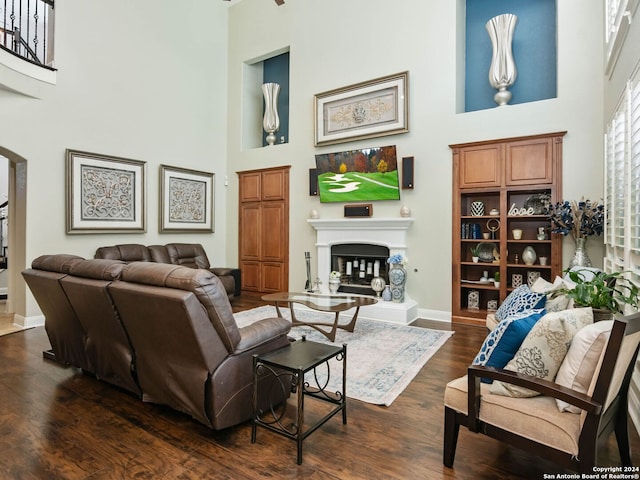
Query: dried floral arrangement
x=581 y=219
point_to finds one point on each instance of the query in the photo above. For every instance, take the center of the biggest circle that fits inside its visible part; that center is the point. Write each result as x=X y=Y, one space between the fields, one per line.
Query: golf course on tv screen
x=358 y=175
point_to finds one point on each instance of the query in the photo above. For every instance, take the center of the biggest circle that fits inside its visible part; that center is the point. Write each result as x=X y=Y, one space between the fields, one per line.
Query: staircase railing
x=26 y=30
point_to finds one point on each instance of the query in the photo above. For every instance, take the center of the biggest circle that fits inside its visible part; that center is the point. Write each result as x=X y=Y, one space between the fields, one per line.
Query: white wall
x=135 y=80
x=335 y=43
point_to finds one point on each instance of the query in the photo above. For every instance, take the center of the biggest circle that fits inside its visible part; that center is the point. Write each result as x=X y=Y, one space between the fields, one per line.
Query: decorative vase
x=477 y=209
x=532 y=277
x=334 y=285
x=271 y=120
x=377 y=285
x=503 y=72
x=529 y=255
x=516 y=280
x=580 y=257
x=386 y=293
x=397 y=279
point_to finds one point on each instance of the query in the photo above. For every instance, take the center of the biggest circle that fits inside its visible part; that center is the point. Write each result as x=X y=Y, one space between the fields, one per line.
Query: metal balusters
x=25 y=25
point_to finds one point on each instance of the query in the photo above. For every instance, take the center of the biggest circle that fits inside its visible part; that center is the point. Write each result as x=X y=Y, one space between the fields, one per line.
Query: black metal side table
x=291 y=363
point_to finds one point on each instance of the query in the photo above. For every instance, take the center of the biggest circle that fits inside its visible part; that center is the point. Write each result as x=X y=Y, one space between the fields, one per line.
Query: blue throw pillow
x=504 y=341
x=520 y=300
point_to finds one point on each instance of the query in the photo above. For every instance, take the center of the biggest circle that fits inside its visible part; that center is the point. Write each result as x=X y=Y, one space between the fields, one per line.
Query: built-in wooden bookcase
x=507 y=177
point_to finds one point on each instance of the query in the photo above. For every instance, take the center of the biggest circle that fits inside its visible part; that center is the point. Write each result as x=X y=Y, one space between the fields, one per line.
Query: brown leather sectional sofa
x=163 y=332
x=190 y=255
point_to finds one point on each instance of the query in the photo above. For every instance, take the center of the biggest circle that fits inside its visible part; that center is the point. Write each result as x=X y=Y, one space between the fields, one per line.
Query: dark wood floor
x=56 y=423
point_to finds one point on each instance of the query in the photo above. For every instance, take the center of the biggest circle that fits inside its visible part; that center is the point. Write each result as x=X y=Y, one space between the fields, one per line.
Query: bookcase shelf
x=500 y=186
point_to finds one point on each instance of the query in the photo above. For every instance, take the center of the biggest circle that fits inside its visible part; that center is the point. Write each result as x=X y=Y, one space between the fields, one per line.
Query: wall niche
x=273 y=67
x=534 y=51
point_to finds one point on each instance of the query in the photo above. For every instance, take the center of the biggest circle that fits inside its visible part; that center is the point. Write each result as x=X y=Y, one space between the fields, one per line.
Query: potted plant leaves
x=496 y=279
x=606 y=293
x=475 y=253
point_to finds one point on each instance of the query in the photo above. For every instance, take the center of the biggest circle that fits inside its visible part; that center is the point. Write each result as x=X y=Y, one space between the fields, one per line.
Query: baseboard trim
x=437 y=315
x=28 y=322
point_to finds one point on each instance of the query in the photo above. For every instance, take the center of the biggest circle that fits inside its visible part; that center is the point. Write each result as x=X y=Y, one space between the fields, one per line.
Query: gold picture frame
x=368 y=109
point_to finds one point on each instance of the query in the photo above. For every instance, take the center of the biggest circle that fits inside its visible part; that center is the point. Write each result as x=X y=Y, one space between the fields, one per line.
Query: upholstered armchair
x=541 y=424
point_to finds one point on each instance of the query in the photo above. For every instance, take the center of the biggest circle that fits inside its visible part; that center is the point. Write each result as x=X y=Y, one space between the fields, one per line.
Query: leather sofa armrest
x=219 y=271
x=233 y=272
x=261 y=332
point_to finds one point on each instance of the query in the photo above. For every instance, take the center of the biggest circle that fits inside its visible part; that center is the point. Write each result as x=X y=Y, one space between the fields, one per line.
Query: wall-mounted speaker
x=363 y=210
x=407 y=172
x=313 y=181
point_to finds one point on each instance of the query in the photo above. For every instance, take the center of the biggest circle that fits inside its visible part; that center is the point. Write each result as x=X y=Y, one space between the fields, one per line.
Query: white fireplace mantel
x=388 y=232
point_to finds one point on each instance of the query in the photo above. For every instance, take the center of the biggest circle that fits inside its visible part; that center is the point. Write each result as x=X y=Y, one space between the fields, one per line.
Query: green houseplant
x=606 y=293
x=475 y=253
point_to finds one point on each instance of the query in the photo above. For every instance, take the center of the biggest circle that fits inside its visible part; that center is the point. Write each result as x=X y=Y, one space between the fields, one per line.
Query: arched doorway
x=14 y=233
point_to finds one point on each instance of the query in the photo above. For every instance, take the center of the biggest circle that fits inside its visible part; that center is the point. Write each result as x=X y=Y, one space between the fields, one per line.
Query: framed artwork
x=105 y=194
x=186 y=199
x=366 y=110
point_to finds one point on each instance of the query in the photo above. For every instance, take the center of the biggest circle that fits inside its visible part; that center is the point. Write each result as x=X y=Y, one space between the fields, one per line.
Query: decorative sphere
x=314 y=213
x=405 y=211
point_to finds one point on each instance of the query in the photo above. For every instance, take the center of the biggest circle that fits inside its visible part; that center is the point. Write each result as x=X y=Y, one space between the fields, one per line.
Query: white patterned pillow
x=554 y=303
x=578 y=368
x=503 y=341
x=544 y=349
x=520 y=300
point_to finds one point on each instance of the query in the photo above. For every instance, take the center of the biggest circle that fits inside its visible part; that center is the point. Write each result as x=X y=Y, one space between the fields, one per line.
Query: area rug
x=382 y=357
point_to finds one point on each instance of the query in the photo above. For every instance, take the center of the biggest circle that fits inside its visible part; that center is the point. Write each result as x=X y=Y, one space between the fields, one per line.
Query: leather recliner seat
x=190 y=255
x=164 y=332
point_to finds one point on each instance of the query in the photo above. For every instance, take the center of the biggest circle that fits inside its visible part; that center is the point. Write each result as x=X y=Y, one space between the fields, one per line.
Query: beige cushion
x=555 y=304
x=579 y=365
x=491 y=321
x=536 y=418
x=544 y=349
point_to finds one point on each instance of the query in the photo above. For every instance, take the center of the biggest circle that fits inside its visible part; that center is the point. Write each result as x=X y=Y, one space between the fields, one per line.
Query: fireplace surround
x=390 y=233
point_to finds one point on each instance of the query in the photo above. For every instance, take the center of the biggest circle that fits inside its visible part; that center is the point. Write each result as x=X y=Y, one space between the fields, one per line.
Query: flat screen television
x=358 y=175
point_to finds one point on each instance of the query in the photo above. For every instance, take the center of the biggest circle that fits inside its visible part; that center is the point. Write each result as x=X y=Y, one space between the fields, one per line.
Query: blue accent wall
x=276 y=70
x=534 y=51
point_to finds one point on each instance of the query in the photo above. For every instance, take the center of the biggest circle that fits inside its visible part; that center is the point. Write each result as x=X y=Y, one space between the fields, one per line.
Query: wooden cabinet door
x=250 y=225
x=479 y=166
x=273 y=277
x=264 y=229
x=274 y=185
x=529 y=162
x=250 y=276
x=273 y=242
x=250 y=187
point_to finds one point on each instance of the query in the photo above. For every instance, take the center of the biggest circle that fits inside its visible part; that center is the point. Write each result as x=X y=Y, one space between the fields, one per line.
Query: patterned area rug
x=382 y=358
